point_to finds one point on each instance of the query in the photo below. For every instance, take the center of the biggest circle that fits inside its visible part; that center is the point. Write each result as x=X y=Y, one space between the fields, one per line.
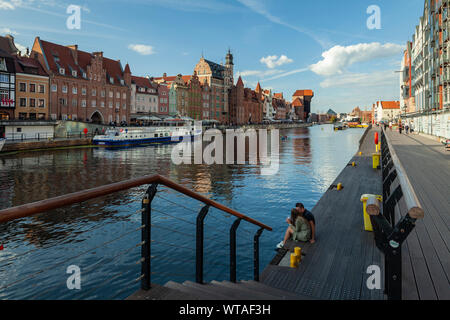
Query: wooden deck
x=426 y=255
x=335 y=266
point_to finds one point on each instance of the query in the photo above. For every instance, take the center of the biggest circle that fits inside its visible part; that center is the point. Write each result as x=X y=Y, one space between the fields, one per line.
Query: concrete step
x=240 y=291
x=193 y=292
x=284 y=295
x=209 y=289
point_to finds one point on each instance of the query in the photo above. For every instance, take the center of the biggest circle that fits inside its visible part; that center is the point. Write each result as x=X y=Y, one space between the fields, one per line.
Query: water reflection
x=309 y=162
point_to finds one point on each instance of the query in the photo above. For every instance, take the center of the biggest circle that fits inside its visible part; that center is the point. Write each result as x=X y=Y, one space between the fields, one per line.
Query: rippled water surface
x=101 y=236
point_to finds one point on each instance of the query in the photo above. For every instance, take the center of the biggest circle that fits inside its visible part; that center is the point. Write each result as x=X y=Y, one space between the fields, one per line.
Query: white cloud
x=258 y=7
x=6 y=5
x=21 y=48
x=273 y=61
x=258 y=73
x=375 y=79
x=8 y=31
x=142 y=49
x=338 y=58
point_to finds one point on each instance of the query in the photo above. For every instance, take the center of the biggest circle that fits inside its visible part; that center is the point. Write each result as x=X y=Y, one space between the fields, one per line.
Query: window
x=94 y=103
x=23 y=87
x=74 y=73
x=41 y=116
x=41 y=103
x=41 y=88
x=111 y=94
x=64 y=89
x=62 y=71
x=117 y=105
x=74 y=90
x=103 y=93
x=124 y=106
x=83 y=103
x=74 y=102
x=32 y=116
x=54 y=88
x=23 y=102
x=122 y=82
x=110 y=104
x=111 y=80
x=94 y=92
x=63 y=102
x=84 y=75
x=32 y=87
x=4 y=78
x=22 y=116
x=102 y=104
x=118 y=95
x=32 y=102
x=124 y=96
x=83 y=91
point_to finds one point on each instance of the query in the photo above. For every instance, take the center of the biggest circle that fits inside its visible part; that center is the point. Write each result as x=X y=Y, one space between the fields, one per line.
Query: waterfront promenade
x=426 y=255
x=335 y=267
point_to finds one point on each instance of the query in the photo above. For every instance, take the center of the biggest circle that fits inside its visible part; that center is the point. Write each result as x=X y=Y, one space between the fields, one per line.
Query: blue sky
x=286 y=44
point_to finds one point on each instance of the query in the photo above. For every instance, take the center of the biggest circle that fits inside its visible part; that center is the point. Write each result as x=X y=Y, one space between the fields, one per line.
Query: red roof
x=297 y=103
x=141 y=82
x=29 y=66
x=303 y=93
x=390 y=104
x=58 y=56
x=278 y=95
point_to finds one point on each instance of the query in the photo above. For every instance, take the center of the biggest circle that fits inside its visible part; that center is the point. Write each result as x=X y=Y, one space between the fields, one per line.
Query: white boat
x=127 y=137
x=2 y=142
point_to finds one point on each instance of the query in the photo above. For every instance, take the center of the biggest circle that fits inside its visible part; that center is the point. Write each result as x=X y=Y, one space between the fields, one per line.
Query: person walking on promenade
x=299 y=228
x=406 y=128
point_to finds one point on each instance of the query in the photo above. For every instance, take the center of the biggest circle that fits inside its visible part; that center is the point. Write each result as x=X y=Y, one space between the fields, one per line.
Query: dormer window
x=111 y=80
x=74 y=74
x=122 y=82
x=84 y=75
x=62 y=71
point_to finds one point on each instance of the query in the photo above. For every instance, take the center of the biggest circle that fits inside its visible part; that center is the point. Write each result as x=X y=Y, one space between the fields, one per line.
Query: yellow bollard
x=340 y=187
x=376 y=160
x=294 y=262
x=367 y=222
x=298 y=253
x=360 y=153
x=353 y=164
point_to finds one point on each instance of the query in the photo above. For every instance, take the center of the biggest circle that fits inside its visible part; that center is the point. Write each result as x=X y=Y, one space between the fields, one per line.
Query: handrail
x=30 y=209
x=412 y=202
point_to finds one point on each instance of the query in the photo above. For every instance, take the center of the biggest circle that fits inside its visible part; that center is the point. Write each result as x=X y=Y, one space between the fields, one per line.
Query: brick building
x=246 y=105
x=305 y=96
x=280 y=107
x=32 y=90
x=84 y=86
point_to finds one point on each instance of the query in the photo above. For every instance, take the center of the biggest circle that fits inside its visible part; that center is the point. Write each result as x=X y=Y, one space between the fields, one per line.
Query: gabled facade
x=84 y=86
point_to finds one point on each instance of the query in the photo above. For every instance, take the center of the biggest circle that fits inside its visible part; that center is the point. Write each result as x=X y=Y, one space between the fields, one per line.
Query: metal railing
x=19 y=136
x=146 y=224
x=389 y=234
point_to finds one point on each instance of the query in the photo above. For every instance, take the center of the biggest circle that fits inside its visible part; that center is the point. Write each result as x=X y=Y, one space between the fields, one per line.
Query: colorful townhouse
x=246 y=105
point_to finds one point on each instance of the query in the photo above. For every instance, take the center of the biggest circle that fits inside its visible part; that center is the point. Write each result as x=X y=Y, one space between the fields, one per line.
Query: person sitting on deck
x=310 y=218
x=299 y=228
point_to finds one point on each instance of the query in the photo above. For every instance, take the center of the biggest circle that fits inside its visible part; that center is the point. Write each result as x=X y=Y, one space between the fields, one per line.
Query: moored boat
x=127 y=137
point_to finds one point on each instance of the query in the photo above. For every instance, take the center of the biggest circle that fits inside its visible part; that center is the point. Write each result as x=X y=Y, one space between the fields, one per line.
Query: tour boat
x=2 y=142
x=127 y=137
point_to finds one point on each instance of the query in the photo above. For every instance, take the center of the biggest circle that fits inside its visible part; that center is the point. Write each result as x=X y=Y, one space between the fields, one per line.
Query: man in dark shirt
x=310 y=218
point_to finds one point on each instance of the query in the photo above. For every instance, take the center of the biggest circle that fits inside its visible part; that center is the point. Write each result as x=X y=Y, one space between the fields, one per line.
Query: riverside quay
x=217 y=170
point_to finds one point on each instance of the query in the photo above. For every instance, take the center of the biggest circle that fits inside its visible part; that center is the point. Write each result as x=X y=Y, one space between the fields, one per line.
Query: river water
x=101 y=236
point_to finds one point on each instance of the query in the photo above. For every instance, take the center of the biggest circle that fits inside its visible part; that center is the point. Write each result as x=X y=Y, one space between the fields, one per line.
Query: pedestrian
x=406 y=128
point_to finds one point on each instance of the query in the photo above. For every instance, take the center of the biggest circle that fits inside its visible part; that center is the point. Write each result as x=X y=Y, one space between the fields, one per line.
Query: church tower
x=228 y=80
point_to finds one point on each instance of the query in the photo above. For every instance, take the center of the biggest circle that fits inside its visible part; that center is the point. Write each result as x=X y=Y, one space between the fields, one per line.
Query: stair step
x=208 y=289
x=285 y=295
x=191 y=292
x=239 y=291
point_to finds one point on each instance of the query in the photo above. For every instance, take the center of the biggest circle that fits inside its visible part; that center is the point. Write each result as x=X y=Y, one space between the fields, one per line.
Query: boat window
x=156 y=135
x=166 y=134
x=161 y=135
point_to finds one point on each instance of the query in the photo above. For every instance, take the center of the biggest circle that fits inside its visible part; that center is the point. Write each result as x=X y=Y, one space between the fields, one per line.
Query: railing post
x=199 y=245
x=233 y=250
x=146 y=237
x=256 y=254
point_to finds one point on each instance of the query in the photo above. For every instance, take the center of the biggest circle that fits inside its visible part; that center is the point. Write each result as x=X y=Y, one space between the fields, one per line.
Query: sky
x=286 y=45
